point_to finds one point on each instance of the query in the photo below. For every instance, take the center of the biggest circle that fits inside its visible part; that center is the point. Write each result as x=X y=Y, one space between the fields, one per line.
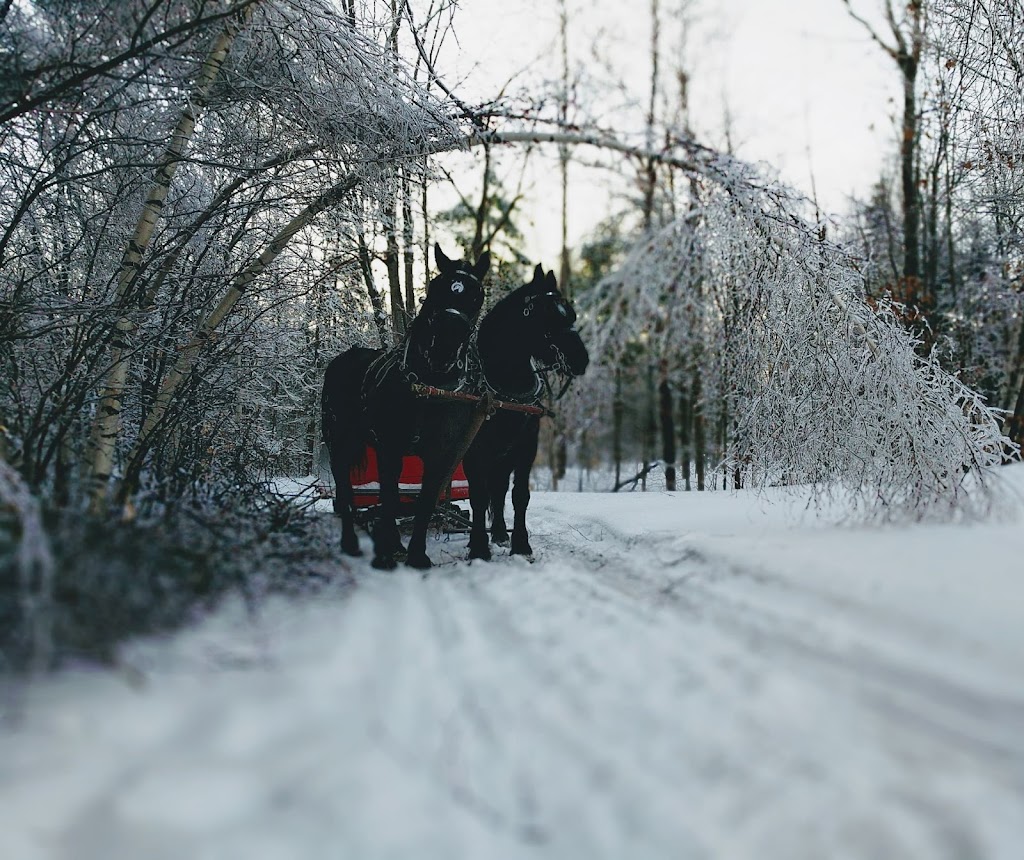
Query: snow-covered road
x=676 y=676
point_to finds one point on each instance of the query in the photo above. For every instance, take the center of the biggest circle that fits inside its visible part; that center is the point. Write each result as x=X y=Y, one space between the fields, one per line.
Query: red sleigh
x=366 y=482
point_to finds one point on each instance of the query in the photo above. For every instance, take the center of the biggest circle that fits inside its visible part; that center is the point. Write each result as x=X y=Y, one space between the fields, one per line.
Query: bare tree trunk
x=408 y=239
x=564 y=269
x=1014 y=424
x=425 y=213
x=106 y=425
x=312 y=437
x=697 y=407
x=391 y=252
x=668 y=430
x=905 y=51
x=376 y=301
x=583 y=458
x=391 y=261
x=650 y=424
x=649 y=177
x=685 y=437
x=617 y=409
x=932 y=243
x=480 y=216
x=954 y=285
x=908 y=171
x=557 y=472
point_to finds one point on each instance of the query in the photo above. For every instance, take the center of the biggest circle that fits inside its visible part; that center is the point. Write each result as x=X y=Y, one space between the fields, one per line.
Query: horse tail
x=341 y=408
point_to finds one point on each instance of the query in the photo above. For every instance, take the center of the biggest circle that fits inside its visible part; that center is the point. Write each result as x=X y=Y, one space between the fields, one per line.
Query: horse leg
x=435 y=470
x=344 y=498
x=520 y=502
x=499 y=489
x=344 y=432
x=344 y=495
x=479 y=496
x=386 y=541
x=521 y=491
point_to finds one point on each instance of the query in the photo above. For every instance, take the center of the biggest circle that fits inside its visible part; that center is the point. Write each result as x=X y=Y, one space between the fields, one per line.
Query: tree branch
x=17 y=108
x=891 y=51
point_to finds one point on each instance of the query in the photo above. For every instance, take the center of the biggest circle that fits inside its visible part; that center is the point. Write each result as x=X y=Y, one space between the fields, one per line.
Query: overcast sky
x=805 y=87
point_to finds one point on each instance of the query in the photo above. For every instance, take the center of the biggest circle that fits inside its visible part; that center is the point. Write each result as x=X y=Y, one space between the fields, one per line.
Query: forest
x=202 y=202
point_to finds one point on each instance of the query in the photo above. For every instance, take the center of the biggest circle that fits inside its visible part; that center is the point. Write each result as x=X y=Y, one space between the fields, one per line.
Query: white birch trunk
x=107 y=422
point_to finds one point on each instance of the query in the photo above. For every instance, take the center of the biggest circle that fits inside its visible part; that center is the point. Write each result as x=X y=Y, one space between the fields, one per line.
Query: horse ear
x=550 y=283
x=538 y=274
x=482 y=265
x=443 y=262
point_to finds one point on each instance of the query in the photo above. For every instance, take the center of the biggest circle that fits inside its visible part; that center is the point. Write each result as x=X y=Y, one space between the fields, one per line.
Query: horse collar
x=531 y=396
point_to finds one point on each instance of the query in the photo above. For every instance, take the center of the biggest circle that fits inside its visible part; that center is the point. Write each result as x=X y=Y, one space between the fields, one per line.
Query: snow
x=681 y=675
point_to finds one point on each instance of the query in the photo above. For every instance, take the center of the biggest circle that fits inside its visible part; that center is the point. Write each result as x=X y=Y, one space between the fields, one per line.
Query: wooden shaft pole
x=421 y=390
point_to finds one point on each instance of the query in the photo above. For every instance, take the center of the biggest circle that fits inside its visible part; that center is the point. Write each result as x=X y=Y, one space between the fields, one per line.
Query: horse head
x=442 y=328
x=551 y=325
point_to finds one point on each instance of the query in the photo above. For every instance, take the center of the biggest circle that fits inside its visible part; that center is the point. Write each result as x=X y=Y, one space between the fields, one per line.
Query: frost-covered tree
x=804 y=382
x=979 y=59
x=137 y=275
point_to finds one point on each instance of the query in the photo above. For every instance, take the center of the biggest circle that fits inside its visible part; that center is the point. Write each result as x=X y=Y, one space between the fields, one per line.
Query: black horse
x=367 y=399
x=528 y=332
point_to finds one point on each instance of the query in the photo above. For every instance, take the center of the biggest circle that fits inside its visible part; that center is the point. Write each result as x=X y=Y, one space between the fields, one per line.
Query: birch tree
x=303 y=106
x=108 y=410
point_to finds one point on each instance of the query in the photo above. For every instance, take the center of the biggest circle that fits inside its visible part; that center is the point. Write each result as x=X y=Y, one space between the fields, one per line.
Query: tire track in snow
x=772 y=613
x=546 y=725
x=926 y=726
x=491 y=737
x=613 y=699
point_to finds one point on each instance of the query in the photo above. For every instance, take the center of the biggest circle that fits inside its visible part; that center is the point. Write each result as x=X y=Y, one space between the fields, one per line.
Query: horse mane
x=510 y=306
x=505 y=355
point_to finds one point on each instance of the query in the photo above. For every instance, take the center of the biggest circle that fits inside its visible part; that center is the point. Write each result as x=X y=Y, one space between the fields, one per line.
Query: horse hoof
x=420 y=562
x=482 y=554
x=384 y=562
x=521 y=549
x=500 y=540
x=352 y=549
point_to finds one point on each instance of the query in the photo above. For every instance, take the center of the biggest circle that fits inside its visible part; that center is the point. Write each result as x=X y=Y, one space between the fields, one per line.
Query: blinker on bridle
x=457 y=287
x=462 y=315
x=561 y=304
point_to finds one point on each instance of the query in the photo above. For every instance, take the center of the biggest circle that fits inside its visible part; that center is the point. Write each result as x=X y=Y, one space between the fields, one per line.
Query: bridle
x=542 y=388
x=560 y=365
x=459 y=360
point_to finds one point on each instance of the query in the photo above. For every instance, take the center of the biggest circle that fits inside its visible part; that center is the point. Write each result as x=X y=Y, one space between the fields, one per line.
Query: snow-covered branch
x=807 y=382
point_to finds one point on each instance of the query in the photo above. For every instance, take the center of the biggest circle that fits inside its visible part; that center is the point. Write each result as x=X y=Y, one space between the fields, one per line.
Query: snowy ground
x=676 y=676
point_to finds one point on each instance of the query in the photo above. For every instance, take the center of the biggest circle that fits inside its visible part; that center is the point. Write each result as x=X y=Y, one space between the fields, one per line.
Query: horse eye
x=562 y=310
